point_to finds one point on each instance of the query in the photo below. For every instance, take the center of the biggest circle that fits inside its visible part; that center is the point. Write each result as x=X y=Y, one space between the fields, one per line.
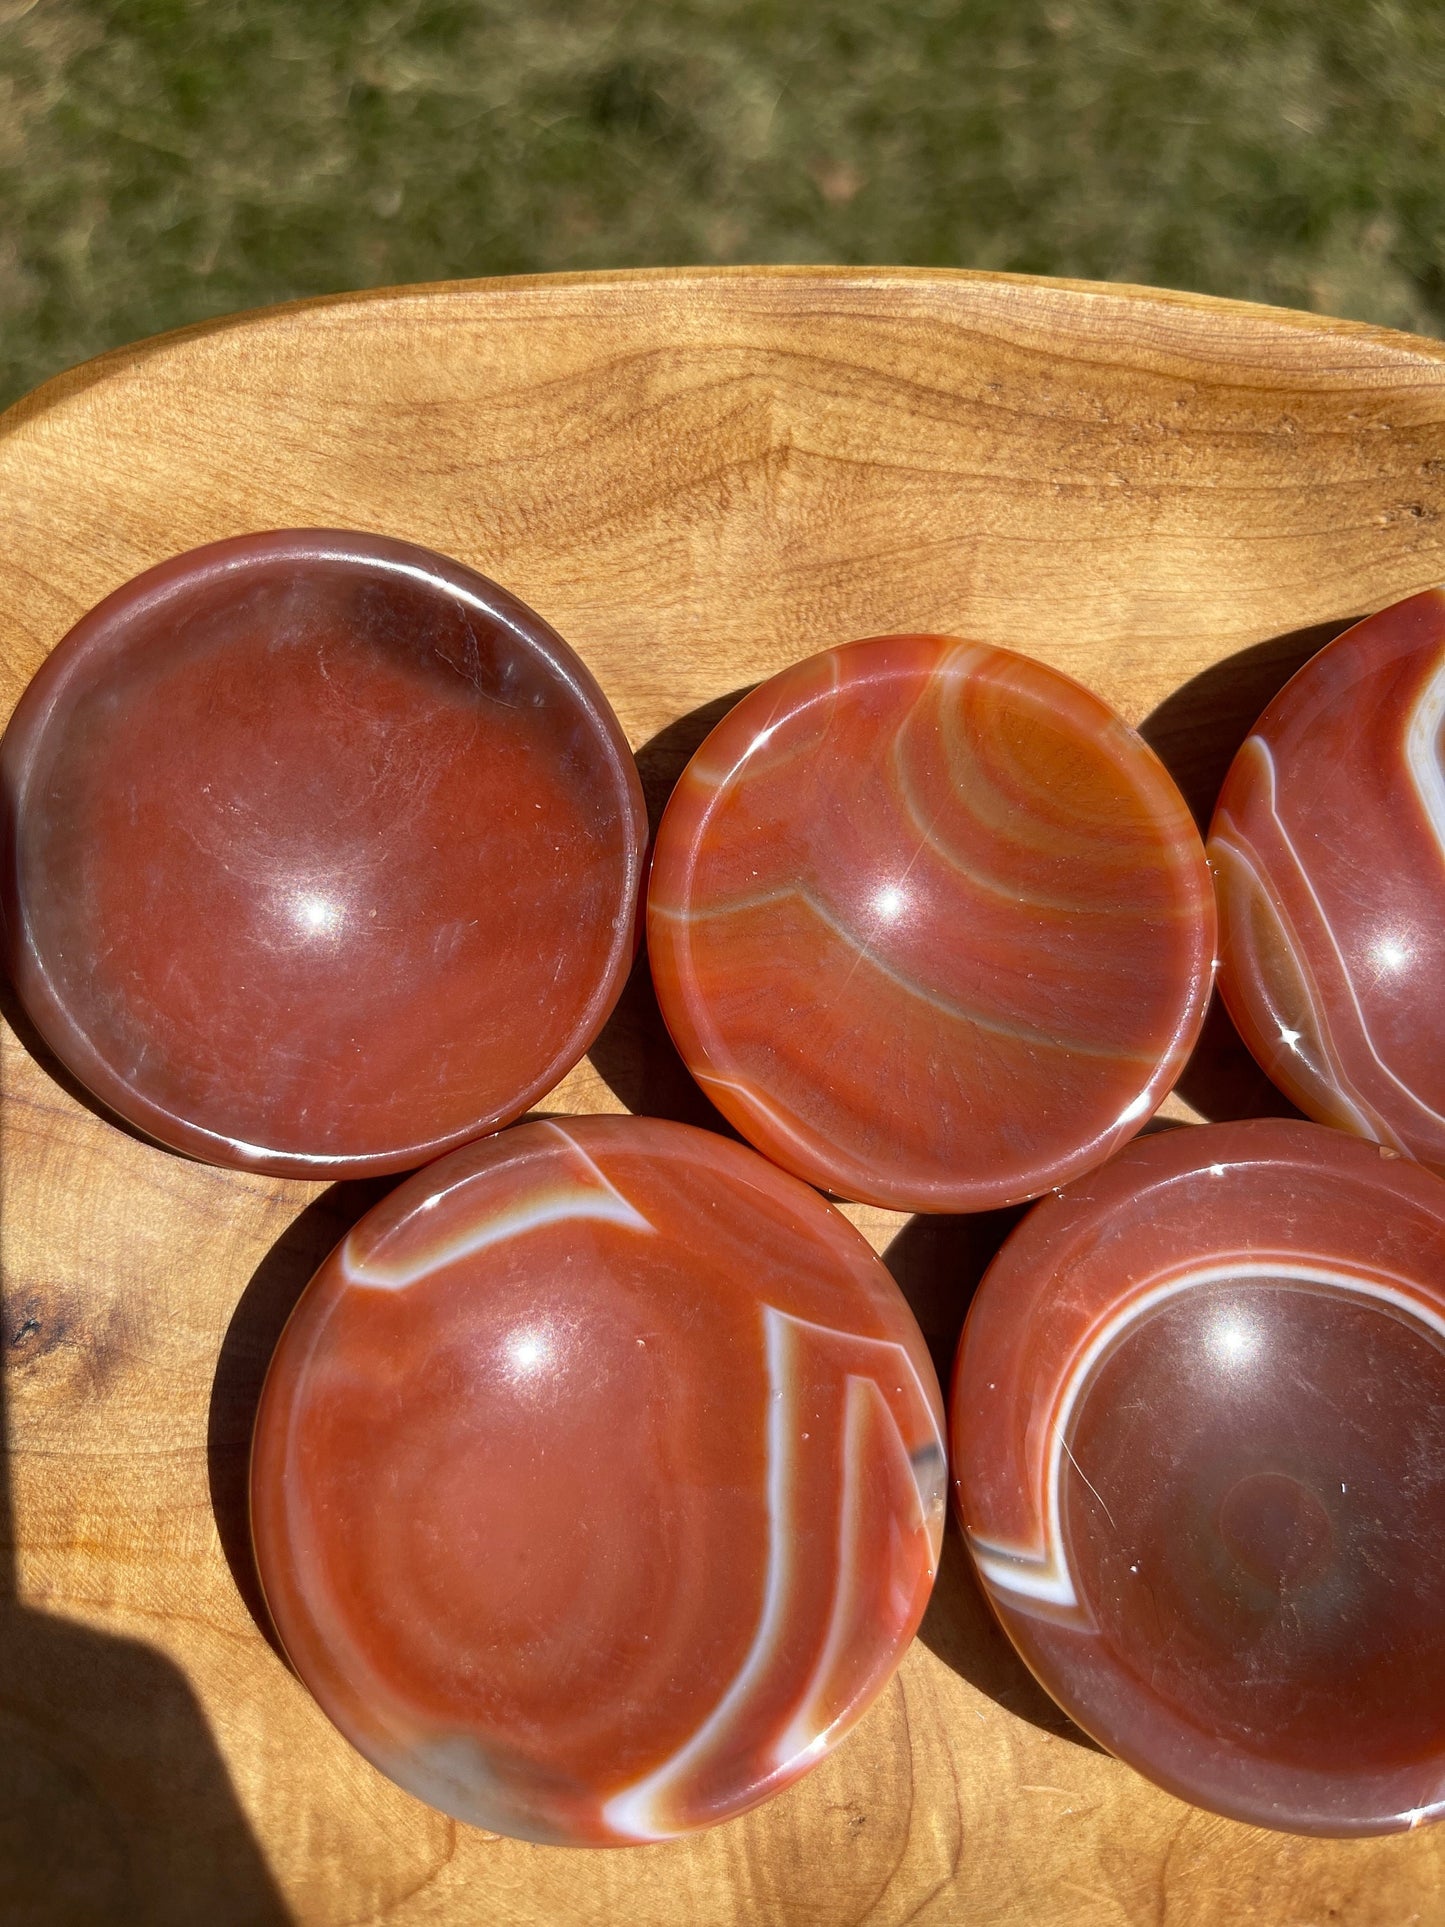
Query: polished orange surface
x=321 y=853
x=1328 y=849
x=598 y=1481
x=930 y=924
x=1198 y=1435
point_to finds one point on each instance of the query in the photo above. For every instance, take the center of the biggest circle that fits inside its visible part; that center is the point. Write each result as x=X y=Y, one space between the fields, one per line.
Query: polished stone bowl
x=1198 y=1435
x=598 y=1483
x=323 y=853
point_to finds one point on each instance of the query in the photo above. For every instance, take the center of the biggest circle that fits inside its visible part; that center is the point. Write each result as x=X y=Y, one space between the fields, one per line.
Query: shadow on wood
x=1198 y=729
x=938 y=1263
x=663 y=757
x=634 y=1056
x=961 y=1630
x=115 y=1804
x=256 y=1324
x=638 y=1061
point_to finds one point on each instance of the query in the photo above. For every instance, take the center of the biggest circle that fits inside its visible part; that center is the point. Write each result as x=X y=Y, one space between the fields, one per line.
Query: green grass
x=165 y=160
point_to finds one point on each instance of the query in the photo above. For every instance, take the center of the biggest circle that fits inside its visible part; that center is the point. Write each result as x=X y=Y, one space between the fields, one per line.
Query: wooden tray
x=697 y=477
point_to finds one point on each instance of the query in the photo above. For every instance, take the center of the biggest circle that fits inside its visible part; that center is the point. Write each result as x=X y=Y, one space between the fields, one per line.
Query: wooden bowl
x=697 y=477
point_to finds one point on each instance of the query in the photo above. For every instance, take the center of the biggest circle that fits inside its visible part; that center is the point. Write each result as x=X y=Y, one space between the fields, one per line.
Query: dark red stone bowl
x=321 y=853
x=1198 y=1446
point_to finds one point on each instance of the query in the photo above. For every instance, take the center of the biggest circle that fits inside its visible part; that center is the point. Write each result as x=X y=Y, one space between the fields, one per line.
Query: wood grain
x=698 y=477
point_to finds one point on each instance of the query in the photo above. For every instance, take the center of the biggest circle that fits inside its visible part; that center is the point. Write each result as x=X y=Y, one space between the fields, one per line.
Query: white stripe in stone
x=553 y=1201
x=637 y=1812
x=1039 y=1574
x=1435 y=1117
x=1422 y=753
